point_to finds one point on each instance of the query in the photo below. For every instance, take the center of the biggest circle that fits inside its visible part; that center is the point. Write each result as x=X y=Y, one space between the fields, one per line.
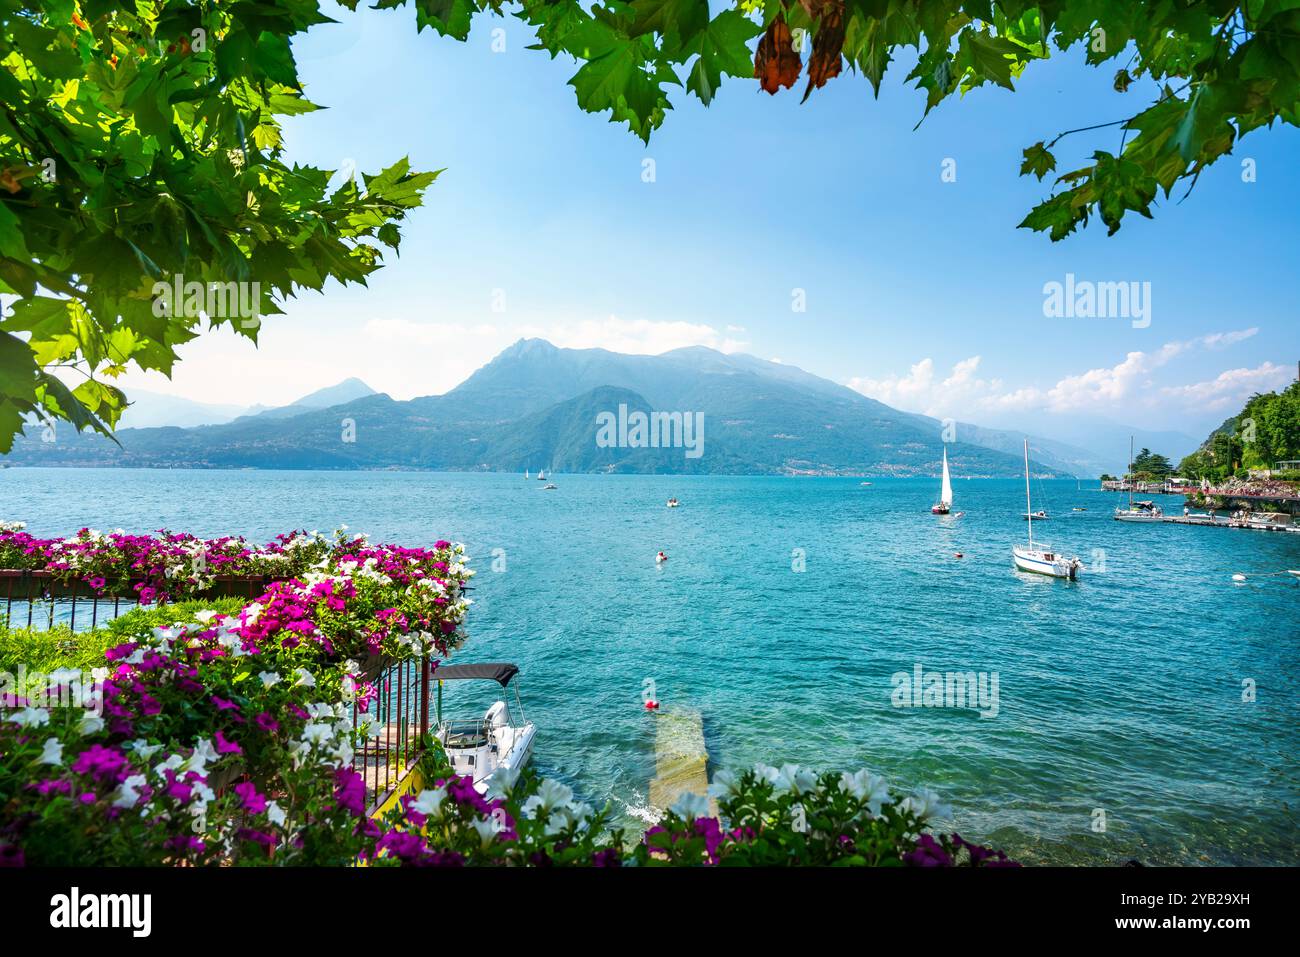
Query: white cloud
x=1229 y=390
x=920 y=391
x=637 y=336
x=961 y=391
x=1220 y=340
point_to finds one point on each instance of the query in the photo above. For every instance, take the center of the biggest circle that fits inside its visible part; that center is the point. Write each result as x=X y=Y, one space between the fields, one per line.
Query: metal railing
x=40 y=599
x=402 y=706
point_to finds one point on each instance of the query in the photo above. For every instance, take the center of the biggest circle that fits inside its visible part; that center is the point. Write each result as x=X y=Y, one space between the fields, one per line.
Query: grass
x=46 y=649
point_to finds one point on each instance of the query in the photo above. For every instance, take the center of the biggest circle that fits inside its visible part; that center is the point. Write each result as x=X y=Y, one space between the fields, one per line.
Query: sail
x=946 y=496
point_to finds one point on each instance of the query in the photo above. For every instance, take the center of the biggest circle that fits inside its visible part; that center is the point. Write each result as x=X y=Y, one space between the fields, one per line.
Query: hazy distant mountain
x=536 y=406
x=151 y=409
x=345 y=391
x=158 y=410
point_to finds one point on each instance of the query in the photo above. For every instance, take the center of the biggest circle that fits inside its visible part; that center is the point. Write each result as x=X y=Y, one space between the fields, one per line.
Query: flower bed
x=169 y=566
x=225 y=732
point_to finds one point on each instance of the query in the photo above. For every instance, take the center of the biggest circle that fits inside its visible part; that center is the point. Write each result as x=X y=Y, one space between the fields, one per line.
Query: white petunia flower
x=549 y=795
x=269 y=678
x=488 y=829
x=502 y=782
x=795 y=779
x=318 y=732
x=925 y=804
x=143 y=748
x=203 y=754
x=305 y=679
x=690 y=806
x=90 y=723
x=128 y=792
x=30 y=717
x=429 y=802
x=53 y=752
x=724 y=784
x=275 y=814
x=867 y=787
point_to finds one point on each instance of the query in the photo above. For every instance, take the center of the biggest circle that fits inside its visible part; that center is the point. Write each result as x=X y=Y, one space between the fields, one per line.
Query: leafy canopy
x=1214 y=70
x=1264 y=433
x=139 y=142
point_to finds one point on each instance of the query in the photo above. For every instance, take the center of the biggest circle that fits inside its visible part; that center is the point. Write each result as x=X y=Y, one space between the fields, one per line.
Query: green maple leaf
x=722 y=48
x=1038 y=160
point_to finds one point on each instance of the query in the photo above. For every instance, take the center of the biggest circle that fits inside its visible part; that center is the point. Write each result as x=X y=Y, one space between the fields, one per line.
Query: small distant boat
x=526 y=475
x=673 y=503
x=864 y=484
x=541 y=475
x=944 y=505
x=1078 y=510
x=549 y=486
x=1041 y=515
x=1041 y=560
x=660 y=558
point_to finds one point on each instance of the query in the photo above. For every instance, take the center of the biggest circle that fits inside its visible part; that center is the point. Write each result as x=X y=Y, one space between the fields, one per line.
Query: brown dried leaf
x=828 y=41
x=776 y=64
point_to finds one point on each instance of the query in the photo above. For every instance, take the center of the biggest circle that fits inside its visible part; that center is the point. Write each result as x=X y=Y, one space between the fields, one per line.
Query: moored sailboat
x=1139 y=511
x=1041 y=560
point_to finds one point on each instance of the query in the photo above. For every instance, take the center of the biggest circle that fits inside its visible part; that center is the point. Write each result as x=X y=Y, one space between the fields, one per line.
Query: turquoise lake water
x=1120 y=692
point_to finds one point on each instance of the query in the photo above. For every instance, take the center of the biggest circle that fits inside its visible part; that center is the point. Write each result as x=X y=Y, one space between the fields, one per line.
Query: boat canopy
x=498 y=671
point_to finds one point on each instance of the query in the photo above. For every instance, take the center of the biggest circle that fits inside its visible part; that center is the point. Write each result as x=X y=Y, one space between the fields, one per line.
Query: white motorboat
x=1041 y=560
x=673 y=503
x=1140 y=512
x=501 y=739
x=1137 y=511
x=944 y=505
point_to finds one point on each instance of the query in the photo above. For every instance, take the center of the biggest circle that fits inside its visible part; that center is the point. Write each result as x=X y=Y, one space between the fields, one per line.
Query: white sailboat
x=541 y=475
x=526 y=475
x=1041 y=560
x=1141 y=511
x=944 y=504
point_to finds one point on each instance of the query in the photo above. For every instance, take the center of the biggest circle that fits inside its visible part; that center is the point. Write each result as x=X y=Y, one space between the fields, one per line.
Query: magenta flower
x=927 y=853
x=253 y=802
x=105 y=764
x=11 y=855
x=350 y=791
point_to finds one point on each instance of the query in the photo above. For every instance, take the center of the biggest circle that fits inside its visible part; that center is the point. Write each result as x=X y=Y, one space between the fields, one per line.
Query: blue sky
x=542 y=225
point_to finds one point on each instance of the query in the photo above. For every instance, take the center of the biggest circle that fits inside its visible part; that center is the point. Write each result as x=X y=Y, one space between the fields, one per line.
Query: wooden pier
x=1228 y=523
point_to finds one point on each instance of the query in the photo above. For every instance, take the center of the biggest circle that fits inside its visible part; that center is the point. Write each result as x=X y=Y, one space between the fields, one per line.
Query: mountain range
x=154 y=409
x=537 y=406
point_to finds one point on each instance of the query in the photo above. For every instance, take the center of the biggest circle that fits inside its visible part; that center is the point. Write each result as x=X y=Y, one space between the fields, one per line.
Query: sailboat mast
x=1029 y=515
x=1130 y=473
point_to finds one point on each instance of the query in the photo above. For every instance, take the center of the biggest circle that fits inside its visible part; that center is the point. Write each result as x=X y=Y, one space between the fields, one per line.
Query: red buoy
x=652 y=705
